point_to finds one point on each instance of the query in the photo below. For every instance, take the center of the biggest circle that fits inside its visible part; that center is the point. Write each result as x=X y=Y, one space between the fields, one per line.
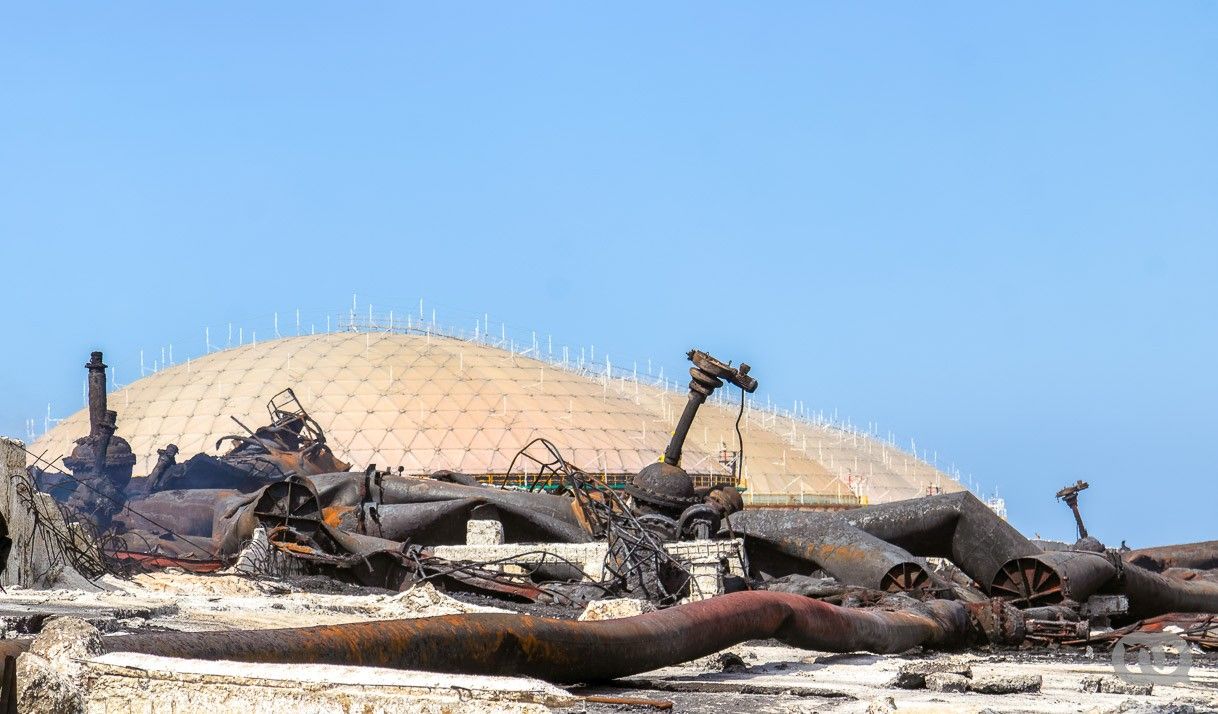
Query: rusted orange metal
x=574 y=651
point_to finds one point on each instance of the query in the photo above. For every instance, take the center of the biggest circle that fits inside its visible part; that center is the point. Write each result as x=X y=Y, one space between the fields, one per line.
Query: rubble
x=1115 y=685
x=201 y=563
x=917 y=674
x=1006 y=684
x=615 y=609
x=49 y=675
x=947 y=682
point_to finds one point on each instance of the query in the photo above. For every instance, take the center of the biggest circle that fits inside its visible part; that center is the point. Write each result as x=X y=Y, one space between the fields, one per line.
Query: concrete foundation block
x=479 y=532
x=143 y=683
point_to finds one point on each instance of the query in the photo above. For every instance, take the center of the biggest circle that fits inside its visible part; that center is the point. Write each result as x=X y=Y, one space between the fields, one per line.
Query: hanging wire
x=636 y=560
x=63 y=545
x=79 y=531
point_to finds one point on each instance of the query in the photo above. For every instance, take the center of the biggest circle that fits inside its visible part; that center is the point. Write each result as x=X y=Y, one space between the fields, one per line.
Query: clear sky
x=992 y=229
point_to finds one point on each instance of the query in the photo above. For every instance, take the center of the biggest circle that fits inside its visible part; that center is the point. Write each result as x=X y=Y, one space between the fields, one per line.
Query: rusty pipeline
x=826 y=540
x=574 y=651
x=1152 y=594
x=1196 y=556
x=1051 y=578
x=956 y=526
x=97 y=392
x=707 y=375
x=1069 y=495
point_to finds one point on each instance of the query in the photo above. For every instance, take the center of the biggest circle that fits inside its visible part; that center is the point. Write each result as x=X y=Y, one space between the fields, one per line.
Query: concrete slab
x=144 y=683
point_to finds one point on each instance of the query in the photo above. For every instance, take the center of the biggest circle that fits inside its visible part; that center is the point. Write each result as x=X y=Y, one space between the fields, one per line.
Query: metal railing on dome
x=529 y=344
x=802 y=500
x=524 y=481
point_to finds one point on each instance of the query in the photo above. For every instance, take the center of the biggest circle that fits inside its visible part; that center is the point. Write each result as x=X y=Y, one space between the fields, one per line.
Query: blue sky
x=992 y=229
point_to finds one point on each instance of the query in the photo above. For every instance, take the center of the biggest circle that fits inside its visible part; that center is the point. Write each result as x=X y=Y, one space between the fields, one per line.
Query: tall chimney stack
x=97 y=394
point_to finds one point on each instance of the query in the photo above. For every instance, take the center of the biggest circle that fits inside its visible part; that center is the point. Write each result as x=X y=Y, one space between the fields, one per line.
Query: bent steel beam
x=574 y=651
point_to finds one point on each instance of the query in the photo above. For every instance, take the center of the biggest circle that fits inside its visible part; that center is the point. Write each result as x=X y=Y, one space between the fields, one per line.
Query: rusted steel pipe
x=573 y=651
x=850 y=555
x=956 y=526
x=544 y=516
x=1050 y=578
x=97 y=395
x=1152 y=594
x=1196 y=556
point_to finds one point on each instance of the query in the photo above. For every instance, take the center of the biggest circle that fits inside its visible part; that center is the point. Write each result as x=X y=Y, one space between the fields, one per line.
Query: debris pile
x=695 y=571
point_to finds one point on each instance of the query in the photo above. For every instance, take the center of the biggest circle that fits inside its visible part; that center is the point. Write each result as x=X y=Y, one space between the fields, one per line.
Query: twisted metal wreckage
x=941 y=572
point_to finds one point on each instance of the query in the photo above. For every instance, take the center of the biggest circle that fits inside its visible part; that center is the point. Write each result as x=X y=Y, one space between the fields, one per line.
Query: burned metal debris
x=570 y=651
x=940 y=572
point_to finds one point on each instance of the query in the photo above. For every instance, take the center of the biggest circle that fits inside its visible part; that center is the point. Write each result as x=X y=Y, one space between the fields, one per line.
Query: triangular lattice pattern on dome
x=425 y=403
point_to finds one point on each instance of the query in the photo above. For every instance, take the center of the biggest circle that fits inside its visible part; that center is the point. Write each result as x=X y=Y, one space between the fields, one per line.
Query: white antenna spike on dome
x=276 y=318
x=298 y=322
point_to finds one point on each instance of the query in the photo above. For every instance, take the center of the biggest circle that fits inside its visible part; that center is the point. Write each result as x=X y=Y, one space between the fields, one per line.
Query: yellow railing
x=801 y=500
x=612 y=480
x=755 y=500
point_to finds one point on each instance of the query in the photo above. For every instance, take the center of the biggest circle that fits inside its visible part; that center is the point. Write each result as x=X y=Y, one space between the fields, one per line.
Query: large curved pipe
x=574 y=651
x=826 y=540
x=956 y=526
x=1197 y=556
x=1050 y=578
x=1152 y=594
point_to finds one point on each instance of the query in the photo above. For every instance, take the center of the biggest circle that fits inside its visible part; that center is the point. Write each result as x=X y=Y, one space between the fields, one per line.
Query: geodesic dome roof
x=425 y=402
